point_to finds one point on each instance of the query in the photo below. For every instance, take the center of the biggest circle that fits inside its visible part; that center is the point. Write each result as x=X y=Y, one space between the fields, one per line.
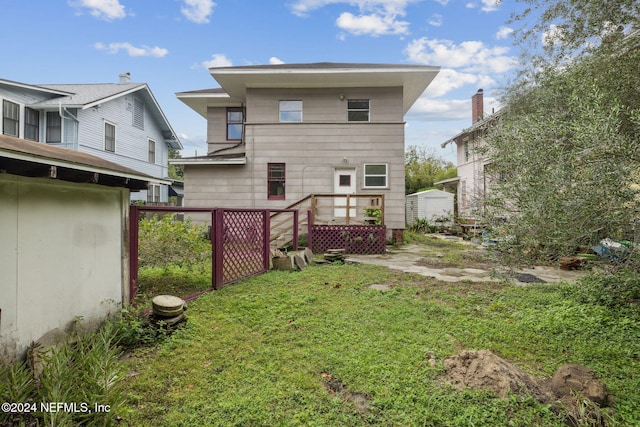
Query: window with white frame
x=152 y=151
x=54 y=127
x=235 y=123
x=31 y=124
x=10 y=118
x=376 y=175
x=153 y=193
x=358 y=110
x=290 y=111
x=109 y=137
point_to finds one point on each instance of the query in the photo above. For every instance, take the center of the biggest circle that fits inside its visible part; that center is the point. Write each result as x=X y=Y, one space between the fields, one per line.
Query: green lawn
x=319 y=348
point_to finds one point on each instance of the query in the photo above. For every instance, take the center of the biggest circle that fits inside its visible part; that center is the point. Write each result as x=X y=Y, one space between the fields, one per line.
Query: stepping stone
x=167 y=306
x=299 y=262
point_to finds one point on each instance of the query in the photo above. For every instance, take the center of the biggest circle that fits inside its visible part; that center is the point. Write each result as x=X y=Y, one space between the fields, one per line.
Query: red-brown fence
x=239 y=241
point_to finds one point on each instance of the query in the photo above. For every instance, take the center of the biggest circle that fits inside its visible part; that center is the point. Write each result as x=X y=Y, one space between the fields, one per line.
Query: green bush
x=421 y=225
x=167 y=240
x=616 y=289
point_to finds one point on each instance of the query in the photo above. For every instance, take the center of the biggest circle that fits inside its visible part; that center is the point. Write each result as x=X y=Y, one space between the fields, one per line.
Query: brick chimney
x=125 y=77
x=477 y=106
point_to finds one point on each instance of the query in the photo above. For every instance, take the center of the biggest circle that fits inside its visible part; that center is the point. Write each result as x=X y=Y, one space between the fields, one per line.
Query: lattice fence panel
x=354 y=239
x=243 y=246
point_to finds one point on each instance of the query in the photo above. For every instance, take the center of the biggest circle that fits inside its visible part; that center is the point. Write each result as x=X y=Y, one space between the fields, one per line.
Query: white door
x=344 y=182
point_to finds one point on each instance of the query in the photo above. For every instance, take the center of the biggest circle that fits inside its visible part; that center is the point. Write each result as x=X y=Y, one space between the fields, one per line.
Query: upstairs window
x=375 y=176
x=358 y=110
x=275 y=181
x=31 y=124
x=138 y=114
x=10 y=118
x=235 y=123
x=109 y=137
x=152 y=151
x=290 y=111
x=54 y=127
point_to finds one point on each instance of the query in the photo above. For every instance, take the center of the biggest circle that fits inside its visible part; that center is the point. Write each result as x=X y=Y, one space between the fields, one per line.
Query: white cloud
x=442 y=2
x=435 y=20
x=490 y=5
x=131 y=50
x=275 y=61
x=375 y=17
x=554 y=35
x=198 y=11
x=107 y=10
x=468 y=55
x=449 y=80
x=503 y=33
x=373 y=24
x=217 y=60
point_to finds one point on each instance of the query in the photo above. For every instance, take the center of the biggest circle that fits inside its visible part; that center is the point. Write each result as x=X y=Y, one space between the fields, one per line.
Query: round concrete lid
x=167 y=302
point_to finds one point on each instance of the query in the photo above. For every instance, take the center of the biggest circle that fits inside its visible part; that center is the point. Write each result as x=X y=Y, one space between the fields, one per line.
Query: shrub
x=615 y=289
x=421 y=225
x=167 y=240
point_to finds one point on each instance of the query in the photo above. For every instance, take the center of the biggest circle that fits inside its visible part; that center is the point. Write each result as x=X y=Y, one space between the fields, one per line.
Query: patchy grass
x=320 y=348
x=171 y=280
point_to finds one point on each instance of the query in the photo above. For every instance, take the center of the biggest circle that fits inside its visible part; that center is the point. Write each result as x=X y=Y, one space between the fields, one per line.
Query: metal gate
x=239 y=242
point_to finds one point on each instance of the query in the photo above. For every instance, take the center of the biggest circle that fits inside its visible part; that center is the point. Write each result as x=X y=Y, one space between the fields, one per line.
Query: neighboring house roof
x=234 y=81
x=477 y=125
x=84 y=96
x=27 y=158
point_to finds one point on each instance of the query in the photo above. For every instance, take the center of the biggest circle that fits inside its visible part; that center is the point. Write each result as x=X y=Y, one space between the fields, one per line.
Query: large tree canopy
x=423 y=167
x=566 y=153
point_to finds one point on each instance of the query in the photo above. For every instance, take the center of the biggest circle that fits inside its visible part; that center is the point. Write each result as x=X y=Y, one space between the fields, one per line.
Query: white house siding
x=74 y=235
x=471 y=189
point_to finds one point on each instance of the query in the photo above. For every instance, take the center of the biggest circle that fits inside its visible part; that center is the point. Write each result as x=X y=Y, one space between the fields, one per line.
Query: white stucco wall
x=62 y=255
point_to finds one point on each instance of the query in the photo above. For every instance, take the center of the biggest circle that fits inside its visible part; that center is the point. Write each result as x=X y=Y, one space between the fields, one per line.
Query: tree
x=175 y=172
x=423 y=168
x=566 y=153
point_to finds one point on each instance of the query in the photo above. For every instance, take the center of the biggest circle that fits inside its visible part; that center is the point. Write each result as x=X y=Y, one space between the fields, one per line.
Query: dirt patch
x=434 y=263
x=336 y=387
x=483 y=369
x=573 y=391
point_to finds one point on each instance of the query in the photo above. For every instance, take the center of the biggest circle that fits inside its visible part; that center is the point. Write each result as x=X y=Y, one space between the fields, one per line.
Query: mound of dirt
x=483 y=369
x=574 y=390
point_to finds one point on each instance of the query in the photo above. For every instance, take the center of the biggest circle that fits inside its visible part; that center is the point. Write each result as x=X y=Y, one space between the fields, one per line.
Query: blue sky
x=169 y=44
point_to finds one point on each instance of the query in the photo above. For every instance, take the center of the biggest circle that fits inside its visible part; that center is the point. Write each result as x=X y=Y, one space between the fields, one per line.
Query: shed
x=65 y=251
x=429 y=205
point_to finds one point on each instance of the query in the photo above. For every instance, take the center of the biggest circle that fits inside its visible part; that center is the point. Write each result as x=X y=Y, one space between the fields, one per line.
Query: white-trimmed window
x=235 y=123
x=54 y=127
x=153 y=193
x=152 y=151
x=376 y=175
x=31 y=124
x=291 y=111
x=358 y=110
x=10 y=118
x=109 y=137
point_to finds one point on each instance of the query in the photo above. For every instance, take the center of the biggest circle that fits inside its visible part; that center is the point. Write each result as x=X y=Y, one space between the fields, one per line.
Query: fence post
x=217 y=242
x=266 y=215
x=295 y=229
x=134 y=223
x=309 y=229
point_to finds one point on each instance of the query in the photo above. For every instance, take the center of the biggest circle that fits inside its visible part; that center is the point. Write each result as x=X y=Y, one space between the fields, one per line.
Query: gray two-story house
x=279 y=133
x=119 y=122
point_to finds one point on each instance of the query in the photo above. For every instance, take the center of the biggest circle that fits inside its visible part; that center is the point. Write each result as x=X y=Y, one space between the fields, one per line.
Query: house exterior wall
x=311 y=150
x=83 y=130
x=472 y=187
x=80 y=268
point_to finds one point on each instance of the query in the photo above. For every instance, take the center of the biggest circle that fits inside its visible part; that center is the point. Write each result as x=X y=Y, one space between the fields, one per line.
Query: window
x=54 y=127
x=153 y=193
x=344 y=180
x=109 y=137
x=235 y=121
x=152 y=151
x=375 y=176
x=275 y=181
x=31 y=124
x=138 y=114
x=10 y=118
x=358 y=110
x=290 y=111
